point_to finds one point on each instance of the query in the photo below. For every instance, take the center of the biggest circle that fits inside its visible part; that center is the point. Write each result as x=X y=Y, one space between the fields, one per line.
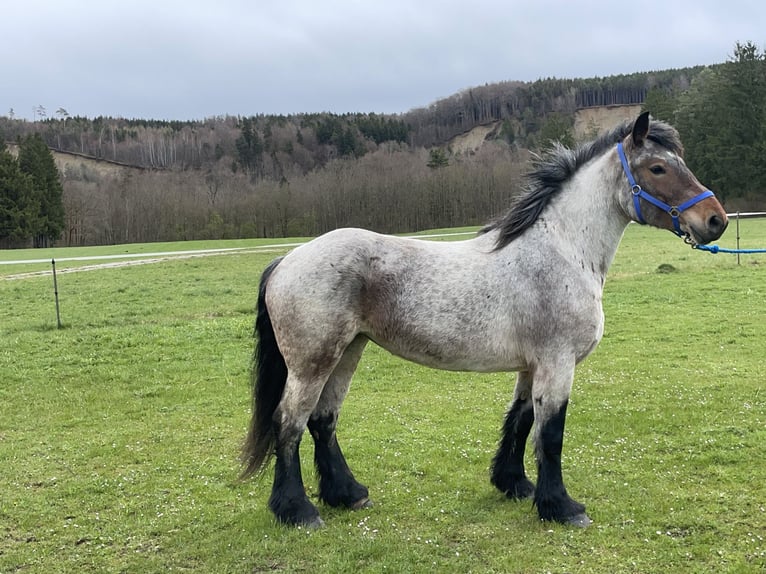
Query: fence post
x=56 y=293
x=738 y=238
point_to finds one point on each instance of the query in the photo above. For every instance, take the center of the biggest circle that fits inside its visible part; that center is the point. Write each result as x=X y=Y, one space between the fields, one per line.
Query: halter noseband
x=639 y=193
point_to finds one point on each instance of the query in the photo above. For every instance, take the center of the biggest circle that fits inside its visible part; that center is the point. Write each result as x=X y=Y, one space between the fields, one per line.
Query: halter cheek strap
x=639 y=193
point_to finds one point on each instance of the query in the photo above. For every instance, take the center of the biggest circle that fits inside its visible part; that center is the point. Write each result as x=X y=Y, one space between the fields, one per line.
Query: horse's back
x=350 y=255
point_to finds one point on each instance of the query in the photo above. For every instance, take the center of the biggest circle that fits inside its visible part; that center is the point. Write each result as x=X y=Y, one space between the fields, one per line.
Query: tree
x=437 y=158
x=745 y=81
x=507 y=132
x=347 y=143
x=660 y=103
x=557 y=128
x=722 y=120
x=39 y=111
x=36 y=160
x=250 y=148
x=18 y=208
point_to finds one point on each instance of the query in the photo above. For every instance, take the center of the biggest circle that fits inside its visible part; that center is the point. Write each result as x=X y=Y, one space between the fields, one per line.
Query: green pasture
x=119 y=433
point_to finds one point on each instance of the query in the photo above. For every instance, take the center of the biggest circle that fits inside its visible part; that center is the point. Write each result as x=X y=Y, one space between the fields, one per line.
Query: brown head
x=665 y=193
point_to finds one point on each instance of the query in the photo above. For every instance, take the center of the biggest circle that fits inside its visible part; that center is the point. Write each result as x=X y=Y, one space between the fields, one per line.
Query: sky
x=194 y=59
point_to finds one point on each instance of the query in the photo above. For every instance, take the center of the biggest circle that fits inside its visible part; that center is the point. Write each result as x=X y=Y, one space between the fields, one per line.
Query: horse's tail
x=268 y=375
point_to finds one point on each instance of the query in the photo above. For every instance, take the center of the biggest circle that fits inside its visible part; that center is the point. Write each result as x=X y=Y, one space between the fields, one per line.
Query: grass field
x=119 y=433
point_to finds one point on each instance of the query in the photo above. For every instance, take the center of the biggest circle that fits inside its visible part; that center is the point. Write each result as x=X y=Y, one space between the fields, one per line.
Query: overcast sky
x=192 y=59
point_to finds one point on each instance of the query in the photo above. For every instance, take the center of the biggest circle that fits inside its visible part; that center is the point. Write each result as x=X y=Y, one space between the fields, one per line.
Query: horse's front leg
x=550 y=393
x=508 y=464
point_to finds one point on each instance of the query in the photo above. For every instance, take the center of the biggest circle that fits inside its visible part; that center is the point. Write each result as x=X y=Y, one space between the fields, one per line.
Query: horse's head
x=665 y=193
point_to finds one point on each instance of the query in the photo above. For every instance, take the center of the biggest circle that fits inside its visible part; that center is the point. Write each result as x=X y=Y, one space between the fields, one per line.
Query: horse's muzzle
x=713 y=228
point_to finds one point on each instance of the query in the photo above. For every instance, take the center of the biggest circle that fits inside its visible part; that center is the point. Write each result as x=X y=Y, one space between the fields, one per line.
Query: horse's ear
x=641 y=129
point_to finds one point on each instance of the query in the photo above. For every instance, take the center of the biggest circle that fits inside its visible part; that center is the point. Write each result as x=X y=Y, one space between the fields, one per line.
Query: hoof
x=361 y=503
x=578 y=520
x=313 y=524
x=514 y=488
x=523 y=491
x=300 y=513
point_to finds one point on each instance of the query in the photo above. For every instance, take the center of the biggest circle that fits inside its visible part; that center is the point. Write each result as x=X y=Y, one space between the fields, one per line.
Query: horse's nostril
x=716 y=224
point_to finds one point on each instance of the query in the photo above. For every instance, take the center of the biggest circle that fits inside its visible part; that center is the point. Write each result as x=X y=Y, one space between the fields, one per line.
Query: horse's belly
x=484 y=347
x=483 y=360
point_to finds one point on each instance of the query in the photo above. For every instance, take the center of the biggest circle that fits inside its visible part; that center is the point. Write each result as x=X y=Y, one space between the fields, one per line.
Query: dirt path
x=148 y=258
x=156 y=258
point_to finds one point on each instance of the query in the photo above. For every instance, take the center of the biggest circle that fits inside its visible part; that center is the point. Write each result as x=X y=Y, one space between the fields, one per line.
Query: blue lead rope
x=717 y=249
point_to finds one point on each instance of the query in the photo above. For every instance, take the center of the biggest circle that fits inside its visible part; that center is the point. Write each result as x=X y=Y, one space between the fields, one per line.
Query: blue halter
x=638 y=194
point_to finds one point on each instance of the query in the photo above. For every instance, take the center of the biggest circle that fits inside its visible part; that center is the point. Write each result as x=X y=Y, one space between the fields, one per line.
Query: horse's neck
x=589 y=216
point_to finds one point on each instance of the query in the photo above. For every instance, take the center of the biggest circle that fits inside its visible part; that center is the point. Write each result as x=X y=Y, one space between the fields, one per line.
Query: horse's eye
x=657 y=169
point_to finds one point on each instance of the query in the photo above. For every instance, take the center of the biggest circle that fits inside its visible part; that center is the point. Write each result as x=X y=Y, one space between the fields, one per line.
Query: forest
x=140 y=180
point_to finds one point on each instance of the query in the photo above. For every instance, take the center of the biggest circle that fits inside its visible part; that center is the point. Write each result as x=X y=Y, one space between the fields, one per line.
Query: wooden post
x=56 y=293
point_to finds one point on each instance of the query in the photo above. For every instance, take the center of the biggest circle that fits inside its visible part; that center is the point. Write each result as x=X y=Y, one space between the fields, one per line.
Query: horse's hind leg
x=337 y=485
x=508 y=464
x=288 y=500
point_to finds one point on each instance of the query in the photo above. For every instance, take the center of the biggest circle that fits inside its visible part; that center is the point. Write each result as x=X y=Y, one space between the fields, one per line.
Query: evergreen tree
x=347 y=143
x=660 y=103
x=18 y=206
x=722 y=120
x=250 y=148
x=745 y=80
x=437 y=158
x=557 y=128
x=36 y=161
x=507 y=132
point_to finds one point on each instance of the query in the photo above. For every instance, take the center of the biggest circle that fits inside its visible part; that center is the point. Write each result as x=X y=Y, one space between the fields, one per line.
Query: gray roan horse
x=524 y=295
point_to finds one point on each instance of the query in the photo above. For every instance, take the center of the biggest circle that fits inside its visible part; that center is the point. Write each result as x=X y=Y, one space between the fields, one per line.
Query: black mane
x=556 y=166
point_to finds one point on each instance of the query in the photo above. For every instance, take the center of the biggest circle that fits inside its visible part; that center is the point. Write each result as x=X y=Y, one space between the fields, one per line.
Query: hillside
x=274 y=147
x=587 y=123
x=69 y=163
x=600 y=118
x=457 y=161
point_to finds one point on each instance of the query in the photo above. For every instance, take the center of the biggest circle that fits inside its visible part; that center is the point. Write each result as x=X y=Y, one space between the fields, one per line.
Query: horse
x=523 y=295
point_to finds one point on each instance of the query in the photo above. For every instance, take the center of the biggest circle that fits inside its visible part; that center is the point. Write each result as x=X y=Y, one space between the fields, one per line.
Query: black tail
x=268 y=375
